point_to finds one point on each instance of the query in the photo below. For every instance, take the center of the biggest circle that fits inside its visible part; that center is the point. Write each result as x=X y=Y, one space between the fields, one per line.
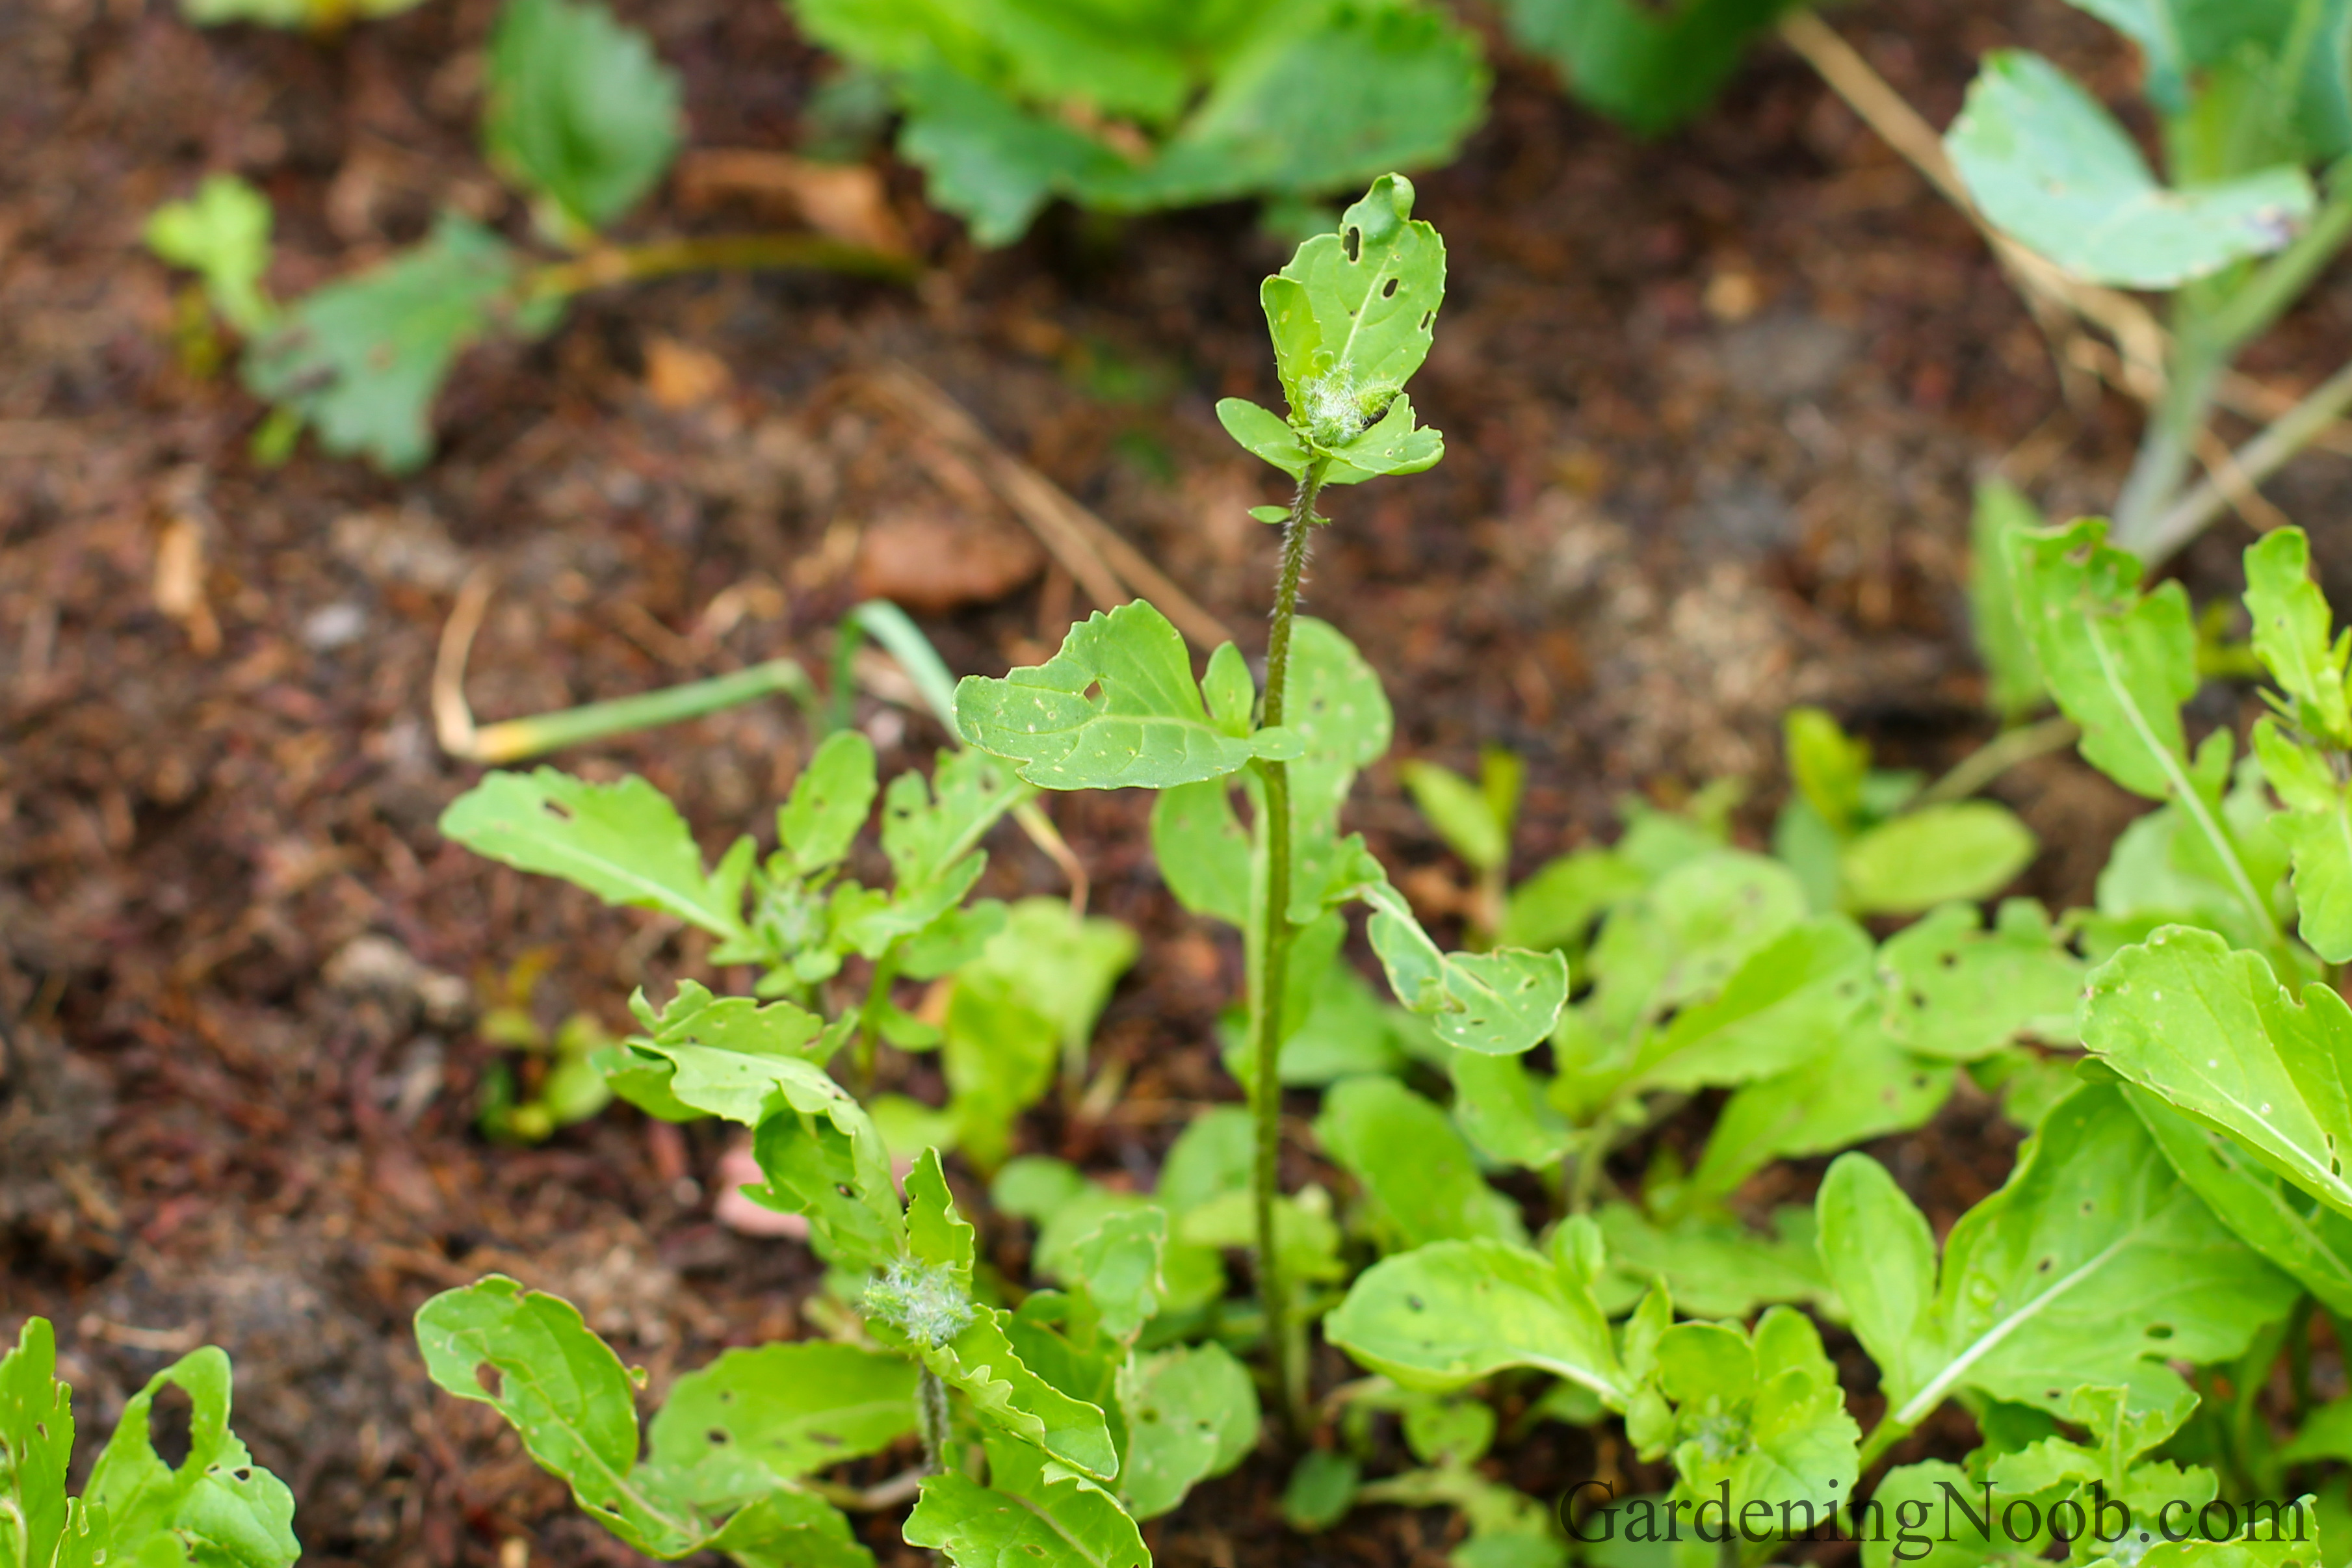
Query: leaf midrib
x=1916 y=1408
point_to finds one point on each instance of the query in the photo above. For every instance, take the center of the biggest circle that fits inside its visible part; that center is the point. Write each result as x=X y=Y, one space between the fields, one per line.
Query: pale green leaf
x=1455 y=1312
x=362 y=360
x=2292 y=629
x=1393 y=444
x=1502 y=1001
x=1810 y=984
x=823 y=1158
x=1321 y=1489
x=930 y=826
x=829 y=802
x=722 y=1056
x=577 y=109
x=1144 y=727
x=2316 y=828
x=2211 y=1031
x=1557 y=905
x=755 y=1418
x=1827 y=766
x=1712 y=1266
x=1761 y=1413
x=1117 y=1266
x=1959 y=850
x=215 y=1505
x=2013 y=678
x=221 y=235
x=1030 y=1517
x=1951 y=990
x=791 y=1529
x=1460 y=813
x=1006 y=1395
x=37 y=1437
x=2053 y=169
x=2095 y=1263
x=1501 y=1108
x=1342 y=718
x=1439 y=1195
x=1857 y=1086
x=1203 y=850
x=987 y=159
x=1686 y=935
x=623 y=842
x=1191 y=1413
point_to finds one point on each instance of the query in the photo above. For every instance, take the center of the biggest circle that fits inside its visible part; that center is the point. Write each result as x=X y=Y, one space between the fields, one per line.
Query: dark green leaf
x=1648 y=67
x=577 y=109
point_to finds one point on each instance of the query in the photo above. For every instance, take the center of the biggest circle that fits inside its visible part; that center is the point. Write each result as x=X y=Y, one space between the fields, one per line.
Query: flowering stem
x=931 y=1418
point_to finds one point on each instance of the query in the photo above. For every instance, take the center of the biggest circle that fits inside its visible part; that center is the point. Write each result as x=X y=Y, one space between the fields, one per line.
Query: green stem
x=931 y=1418
x=610 y=264
x=2257 y=460
x=2170 y=445
x=1883 y=1436
x=512 y=740
x=1274 y=933
x=869 y=1027
x=1996 y=757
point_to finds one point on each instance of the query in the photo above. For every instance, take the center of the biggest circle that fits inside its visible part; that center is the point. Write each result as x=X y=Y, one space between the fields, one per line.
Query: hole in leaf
x=242 y=1473
x=845 y=1189
x=1353 y=242
x=718 y=1436
x=2044 y=1267
x=1387 y=289
x=1415 y=1302
x=171 y=1425
x=2159 y=1330
x=488 y=1377
x=1427 y=317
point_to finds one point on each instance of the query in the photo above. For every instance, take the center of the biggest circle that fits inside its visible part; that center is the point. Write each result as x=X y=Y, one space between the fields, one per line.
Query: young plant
x=1118 y=707
x=2249 y=99
x=584 y=121
x=561 y=1082
x=1647 y=67
x=215 y=1507
x=1134 y=106
x=1045 y=1432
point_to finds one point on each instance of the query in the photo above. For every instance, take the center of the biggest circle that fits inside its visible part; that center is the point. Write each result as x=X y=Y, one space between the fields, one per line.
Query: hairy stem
x=931 y=1418
x=1274 y=931
x=610 y=264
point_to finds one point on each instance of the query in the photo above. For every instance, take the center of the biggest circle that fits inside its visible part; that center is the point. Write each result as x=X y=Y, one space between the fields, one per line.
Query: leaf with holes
x=1857 y=1087
x=754 y=1419
x=1811 y=984
x=2210 y=1031
x=2095 y=1263
x=1116 y=708
x=1950 y=990
x=829 y=802
x=1438 y=1195
x=1447 y=1314
x=1191 y=1413
x=623 y=842
x=1027 y=1512
x=1501 y=1002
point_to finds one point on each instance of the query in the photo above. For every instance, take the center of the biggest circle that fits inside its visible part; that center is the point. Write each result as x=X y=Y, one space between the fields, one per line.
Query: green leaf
x=1116 y=1265
x=2291 y=635
x=726 y=1056
x=37 y=1437
x=1712 y=1266
x=1008 y=1396
x=929 y=828
x=1961 y=849
x=362 y=360
x=1203 y=850
x=1557 y=905
x=1452 y=1312
x=1955 y=992
x=1501 y=1108
x=1350 y=314
x=754 y=1419
x=1810 y=984
x=1191 y=1413
x=1263 y=434
x=1439 y=1195
x=1761 y=1413
x=1393 y=444
x=577 y=109
x=1459 y=811
x=1066 y=963
x=221 y=234
x=1321 y=1489
x=1859 y=1088
x=2212 y=1032
x=2317 y=827
x=623 y=842
x=988 y=159
x=1336 y=707
x=2120 y=665
x=566 y=1394
x=1647 y=67
x=1827 y=766
x=829 y=802
x=1030 y=1515
x=2051 y=168
x=1687 y=935
x=2013 y=685
x=998 y=1055
x=1501 y=1002
x=791 y=1529
x=1145 y=727
x=215 y=1506
x=2095 y=1263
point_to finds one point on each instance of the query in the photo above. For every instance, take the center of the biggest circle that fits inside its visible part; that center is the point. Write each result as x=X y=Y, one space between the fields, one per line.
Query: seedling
x=559 y=1082
x=1129 y=107
x=583 y=120
x=214 y=1506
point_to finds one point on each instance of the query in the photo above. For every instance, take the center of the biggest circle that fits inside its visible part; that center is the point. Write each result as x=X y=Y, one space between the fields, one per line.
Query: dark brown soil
x=1714 y=404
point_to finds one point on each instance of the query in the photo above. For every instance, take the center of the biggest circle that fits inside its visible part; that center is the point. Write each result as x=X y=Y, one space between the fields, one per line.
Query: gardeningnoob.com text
x=1591 y=1512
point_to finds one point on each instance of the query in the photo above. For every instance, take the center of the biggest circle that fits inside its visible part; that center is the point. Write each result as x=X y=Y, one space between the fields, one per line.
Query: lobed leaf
x=1352 y=312
x=1500 y=1002
x=829 y=802
x=1453 y=1311
x=577 y=109
x=221 y=235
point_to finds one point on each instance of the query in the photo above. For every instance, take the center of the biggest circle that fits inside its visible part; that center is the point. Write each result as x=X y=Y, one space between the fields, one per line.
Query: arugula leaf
x=1452 y=1312
x=1556 y=907
x=1503 y=1110
x=36 y=1438
x=753 y=1420
x=1808 y=985
x=1956 y=993
x=362 y=360
x=1959 y=850
x=1439 y=1195
x=623 y=842
x=1203 y=850
x=1712 y=1266
x=1191 y=1413
x=728 y=1056
x=1647 y=67
x=1264 y=434
x=2120 y=665
x=221 y=235
x=928 y=829
x=2290 y=635
x=2211 y=1031
x=829 y=802
x=2051 y=168
x=1861 y=1087
x=1827 y=766
x=1501 y=1002
x=1027 y=1512
x=2091 y=1262
x=577 y=109
x=1686 y=935
x=1460 y=813
x=1336 y=707
x=2013 y=685
x=1145 y=729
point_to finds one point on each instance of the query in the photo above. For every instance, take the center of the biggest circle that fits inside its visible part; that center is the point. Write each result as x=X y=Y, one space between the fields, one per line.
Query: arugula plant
x=215 y=1507
x=1120 y=707
x=2249 y=99
x=1022 y=986
x=1134 y=106
x=1046 y=1430
x=583 y=120
x=1649 y=68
